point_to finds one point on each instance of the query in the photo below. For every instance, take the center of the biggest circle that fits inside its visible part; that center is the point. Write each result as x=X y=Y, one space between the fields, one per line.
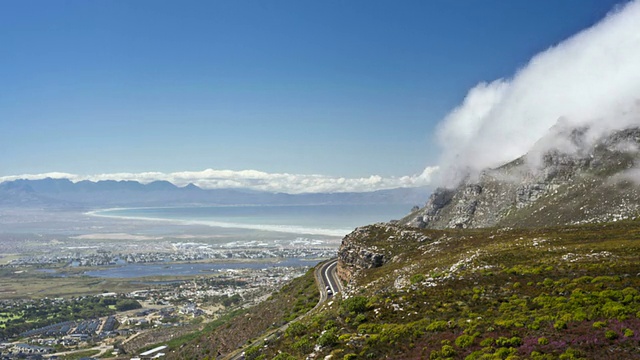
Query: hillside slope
x=294 y=299
x=486 y=293
x=555 y=293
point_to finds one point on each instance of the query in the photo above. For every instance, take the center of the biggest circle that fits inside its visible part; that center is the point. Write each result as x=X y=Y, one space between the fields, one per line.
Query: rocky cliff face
x=354 y=254
x=373 y=246
x=576 y=182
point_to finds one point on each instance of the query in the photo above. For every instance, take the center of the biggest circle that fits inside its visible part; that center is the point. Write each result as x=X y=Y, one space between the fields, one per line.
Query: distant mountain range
x=63 y=193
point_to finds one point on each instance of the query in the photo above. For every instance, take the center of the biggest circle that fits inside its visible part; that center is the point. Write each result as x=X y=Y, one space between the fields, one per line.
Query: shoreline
x=287 y=229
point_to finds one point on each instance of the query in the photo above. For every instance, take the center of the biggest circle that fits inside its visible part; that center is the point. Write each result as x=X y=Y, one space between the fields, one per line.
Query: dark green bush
x=464 y=341
x=295 y=329
x=284 y=356
x=356 y=304
x=329 y=338
x=610 y=334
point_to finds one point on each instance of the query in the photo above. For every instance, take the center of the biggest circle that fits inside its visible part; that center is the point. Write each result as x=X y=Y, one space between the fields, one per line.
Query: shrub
x=583 y=280
x=416 y=278
x=303 y=345
x=560 y=325
x=252 y=353
x=356 y=304
x=475 y=355
x=512 y=342
x=613 y=309
x=295 y=329
x=359 y=319
x=284 y=356
x=579 y=315
x=329 y=338
x=350 y=357
x=486 y=342
x=370 y=328
x=599 y=324
x=330 y=324
x=447 y=351
x=438 y=325
x=605 y=279
x=627 y=333
x=464 y=341
x=504 y=352
x=543 y=341
x=570 y=354
x=611 y=335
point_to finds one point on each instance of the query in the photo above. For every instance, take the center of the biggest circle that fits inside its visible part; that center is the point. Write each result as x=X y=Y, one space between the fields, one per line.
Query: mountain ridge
x=63 y=193
x=580 y=180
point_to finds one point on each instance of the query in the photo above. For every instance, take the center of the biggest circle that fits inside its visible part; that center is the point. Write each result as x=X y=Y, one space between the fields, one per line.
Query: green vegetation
x=32 y=315
x=30 y=283
x=356 y=304
x=557 y=293
x=127 y=304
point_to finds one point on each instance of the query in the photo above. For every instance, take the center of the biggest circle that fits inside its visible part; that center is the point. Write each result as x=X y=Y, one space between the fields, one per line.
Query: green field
x=29 y=283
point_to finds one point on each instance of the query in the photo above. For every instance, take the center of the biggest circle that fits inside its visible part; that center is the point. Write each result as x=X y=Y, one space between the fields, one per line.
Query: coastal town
x=133 y=320
x=96 y=296
x=106 y=255
x=92 y=293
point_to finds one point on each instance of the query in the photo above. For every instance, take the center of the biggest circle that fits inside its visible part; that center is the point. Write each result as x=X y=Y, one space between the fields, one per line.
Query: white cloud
x=256 y=180
x=591 y=79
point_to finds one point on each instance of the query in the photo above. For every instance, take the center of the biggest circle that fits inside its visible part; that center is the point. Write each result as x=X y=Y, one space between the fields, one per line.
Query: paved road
x=325 y=275
x=329 y=278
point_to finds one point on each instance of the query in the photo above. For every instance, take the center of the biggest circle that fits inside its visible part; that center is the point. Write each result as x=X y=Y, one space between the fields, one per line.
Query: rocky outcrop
x=354 y=254
x=429 y=214
x=466 y=207
x=527 y=194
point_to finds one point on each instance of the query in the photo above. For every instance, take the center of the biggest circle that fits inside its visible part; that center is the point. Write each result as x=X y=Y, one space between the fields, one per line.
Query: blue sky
x=338 y=88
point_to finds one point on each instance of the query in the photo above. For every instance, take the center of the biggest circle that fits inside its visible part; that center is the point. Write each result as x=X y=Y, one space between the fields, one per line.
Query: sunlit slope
x=559 y=292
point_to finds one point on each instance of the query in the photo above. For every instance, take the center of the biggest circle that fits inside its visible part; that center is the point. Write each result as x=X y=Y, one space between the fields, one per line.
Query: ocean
x=328 y=220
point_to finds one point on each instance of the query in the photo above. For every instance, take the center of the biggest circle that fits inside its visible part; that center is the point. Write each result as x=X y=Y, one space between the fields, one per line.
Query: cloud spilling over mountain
x=591 y=80
x=254 y=180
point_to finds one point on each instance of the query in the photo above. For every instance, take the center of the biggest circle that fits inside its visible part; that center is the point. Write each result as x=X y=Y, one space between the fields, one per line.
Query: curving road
x=329 y=279
x=326 y=276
